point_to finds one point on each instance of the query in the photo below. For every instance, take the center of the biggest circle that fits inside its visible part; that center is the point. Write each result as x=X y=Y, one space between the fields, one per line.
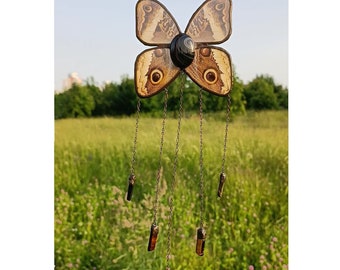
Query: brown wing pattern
x=154 y=71
x=211 y=23
x=154 y=23
x=212 y=70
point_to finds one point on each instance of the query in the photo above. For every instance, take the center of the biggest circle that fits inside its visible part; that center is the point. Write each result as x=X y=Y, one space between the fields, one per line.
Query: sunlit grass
x=96 y=228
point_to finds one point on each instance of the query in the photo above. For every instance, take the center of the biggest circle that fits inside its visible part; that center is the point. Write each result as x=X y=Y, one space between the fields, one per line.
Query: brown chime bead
x=153 y=237
x=132 y=180
x=201 y=234
x=220 y=186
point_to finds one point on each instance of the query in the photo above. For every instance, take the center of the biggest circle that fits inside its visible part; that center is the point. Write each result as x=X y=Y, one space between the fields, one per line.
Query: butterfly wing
x=154 y=23
x=154 y=71
x=211 y=70
x=211 y=23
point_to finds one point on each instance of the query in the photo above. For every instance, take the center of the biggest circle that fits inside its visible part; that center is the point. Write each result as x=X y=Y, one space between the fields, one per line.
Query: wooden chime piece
x=132 y=180
x=221 y=185
x=153 y=237
x=201 y=235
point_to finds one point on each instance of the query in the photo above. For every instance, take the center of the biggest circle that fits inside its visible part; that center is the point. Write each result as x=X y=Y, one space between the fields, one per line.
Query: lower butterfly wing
x=212 y=70
x=154 y=71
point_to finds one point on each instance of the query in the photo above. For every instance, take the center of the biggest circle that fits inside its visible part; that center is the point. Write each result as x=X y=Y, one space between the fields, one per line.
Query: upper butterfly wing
x=154 y=23
x=154 y=71
x=212 y=70
x=211 y=23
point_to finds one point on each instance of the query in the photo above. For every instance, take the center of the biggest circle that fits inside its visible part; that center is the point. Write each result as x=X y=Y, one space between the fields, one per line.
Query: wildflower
x=262 y=259
x=251 y=267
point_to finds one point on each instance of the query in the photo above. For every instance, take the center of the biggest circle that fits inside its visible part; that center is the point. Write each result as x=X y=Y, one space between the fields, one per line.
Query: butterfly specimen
x=191 y=51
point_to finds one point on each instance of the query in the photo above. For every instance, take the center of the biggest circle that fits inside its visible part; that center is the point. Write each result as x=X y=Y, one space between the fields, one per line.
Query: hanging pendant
x=153 y=237
x=132 y=180
x=221 y=185
x=201 y=234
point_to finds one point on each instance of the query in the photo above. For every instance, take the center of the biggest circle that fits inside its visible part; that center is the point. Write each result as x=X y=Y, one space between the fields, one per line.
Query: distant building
x=70 y=80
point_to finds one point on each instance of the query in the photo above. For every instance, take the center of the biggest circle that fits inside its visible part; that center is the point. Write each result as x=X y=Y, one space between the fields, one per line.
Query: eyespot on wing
x=212 y=70
x=154 y=71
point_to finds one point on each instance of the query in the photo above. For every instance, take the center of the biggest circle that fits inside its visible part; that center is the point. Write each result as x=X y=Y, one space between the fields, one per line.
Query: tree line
x=118 y=99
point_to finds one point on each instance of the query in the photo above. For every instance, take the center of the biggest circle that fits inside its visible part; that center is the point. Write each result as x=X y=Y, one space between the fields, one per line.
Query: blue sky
x=97 y=38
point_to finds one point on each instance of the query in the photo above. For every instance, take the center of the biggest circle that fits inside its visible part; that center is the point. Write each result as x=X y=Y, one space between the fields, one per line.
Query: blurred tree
x=259 y=94
x=80 y=101
x=61 y=106
x=121 y=99
x=124 y=99
x=108 y=95
x=282 y=96
x=97 y=95
x=238 y=102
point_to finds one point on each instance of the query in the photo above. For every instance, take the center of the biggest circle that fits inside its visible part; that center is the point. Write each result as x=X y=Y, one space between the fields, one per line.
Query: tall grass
x=96 y=228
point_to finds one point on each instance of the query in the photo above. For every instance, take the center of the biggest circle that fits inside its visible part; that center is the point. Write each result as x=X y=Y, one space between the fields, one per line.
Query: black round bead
x=182 y=50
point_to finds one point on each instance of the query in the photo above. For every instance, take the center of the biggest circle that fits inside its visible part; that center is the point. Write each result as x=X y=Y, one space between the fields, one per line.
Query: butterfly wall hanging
x=191 y=51
x=173 y=53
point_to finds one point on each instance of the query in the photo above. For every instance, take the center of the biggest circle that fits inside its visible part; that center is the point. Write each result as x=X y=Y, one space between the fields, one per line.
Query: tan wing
x=154 y=23
x=154 y=71
x=211 y=23
x=212 y=70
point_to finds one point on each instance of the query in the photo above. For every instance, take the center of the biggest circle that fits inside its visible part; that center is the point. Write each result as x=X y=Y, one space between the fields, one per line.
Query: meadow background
x=96 y=228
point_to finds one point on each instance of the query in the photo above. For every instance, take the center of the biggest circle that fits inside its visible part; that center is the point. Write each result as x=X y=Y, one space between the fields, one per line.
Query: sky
x=97 y=38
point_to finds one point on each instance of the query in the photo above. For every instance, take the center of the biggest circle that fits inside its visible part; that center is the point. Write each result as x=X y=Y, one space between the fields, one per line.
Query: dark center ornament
x=182 y=50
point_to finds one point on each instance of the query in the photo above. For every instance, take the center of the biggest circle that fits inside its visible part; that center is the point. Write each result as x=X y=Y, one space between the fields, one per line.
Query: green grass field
x=96 y=228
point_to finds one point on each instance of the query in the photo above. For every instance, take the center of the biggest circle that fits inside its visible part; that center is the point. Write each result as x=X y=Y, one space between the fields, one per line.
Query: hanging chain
x=201 y=160
x=134 y=149
x=223 y=176
x=201 y=234
x=226 y=132
x=132 y=177
x=180 y=112
x=155 y=208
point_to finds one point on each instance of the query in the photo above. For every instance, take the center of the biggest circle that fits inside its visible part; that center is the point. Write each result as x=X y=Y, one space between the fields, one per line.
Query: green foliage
x=96 y=228
x=96 y=93
x=262 y=93
x=121 y=99
x=78 y=101
x=237 y=100
x=61 y=105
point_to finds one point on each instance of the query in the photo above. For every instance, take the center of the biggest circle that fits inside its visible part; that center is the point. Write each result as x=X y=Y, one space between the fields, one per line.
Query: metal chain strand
x=201 y=160
x=134 y=149
x=172 y=187
x=155 y=208
x=226 y=132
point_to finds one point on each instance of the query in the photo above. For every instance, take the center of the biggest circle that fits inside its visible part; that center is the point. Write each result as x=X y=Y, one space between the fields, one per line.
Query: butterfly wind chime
x=176 y=53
